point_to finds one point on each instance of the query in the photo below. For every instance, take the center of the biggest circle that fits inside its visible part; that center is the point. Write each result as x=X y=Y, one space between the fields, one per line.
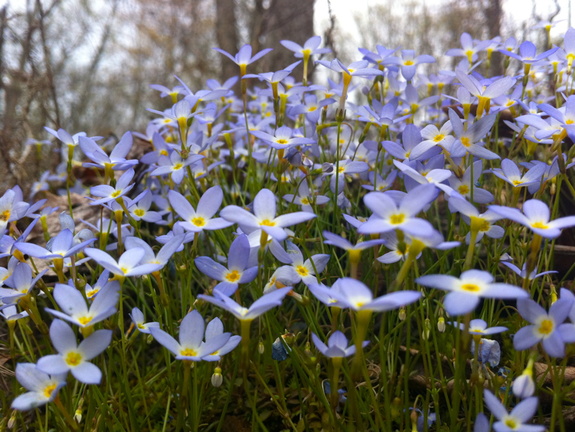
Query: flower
x=76 y=310
x=489 y=351
x=389 y=215
x=163 y=255
x=479 y=327
x=284 y=137
x=466 y=290
x=101 y=284
x=111 y=193
x=73 y=357
x=544 y=326
x=61 y=246
x=408 y=62
x=175 y=165
x=353 y=294
x=514 y=421
x=138 y=319
x=481 y=223
x=300 y=270
x=202 y=218
x=116 y=160
x=510 y=173
x=20 y=282
x=264 y=216
x=536 y=216
x=11 y=209
x=259 y=307
x=237 y=271
x=191 y=346
x=129 y=263
x=43 y=387
x=309 y=48
x=336 y=345
x=524 y=386
x=244 y=56
x=468 y=138
x=339 y=171
x=306 y=198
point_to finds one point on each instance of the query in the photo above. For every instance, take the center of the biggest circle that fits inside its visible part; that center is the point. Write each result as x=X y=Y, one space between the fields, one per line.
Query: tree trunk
x=285 y=19
x=227 y=35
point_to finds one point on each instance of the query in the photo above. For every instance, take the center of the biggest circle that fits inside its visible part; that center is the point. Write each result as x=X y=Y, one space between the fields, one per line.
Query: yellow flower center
x=517 y=182
x=139 y=212
x=188 y=352
x=85 y=319
x=408 y=63
x=397 y=219
x=73 y=358
x=163 y=153
x=302 y=270
x=267 y=222
x=199 y=221
x=511 y=423
x=48 y=390
x=463 y=189
x=569 y=121
x=178 y=166
x=470 y=287
x=116 y=193
x=465 y=141
x=233 y=276
x=439 y=137
x=539 y=224
x=311 y=109
x=5 y=215
x=484 y=225
x=92 y=292
x=305 y=201
x=546 y=327
x=282 y=141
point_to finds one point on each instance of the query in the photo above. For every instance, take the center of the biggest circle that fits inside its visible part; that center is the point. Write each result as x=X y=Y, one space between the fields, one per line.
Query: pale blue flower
x=544 y=326
x=535 y=216
x=465 y=291
x=264 y=216
x=73 y=357
x=517 y=419
x=42 y=387
x=191 y=345
x=337 y=345
x=75 y=309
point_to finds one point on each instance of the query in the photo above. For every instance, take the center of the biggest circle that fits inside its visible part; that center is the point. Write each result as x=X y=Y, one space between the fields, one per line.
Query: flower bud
x=441 y=324
x=524 y=386
x=217 y=378
x=426 y=329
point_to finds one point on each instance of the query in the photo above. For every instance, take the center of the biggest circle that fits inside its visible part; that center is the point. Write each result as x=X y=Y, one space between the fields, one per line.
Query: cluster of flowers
x=290 y=140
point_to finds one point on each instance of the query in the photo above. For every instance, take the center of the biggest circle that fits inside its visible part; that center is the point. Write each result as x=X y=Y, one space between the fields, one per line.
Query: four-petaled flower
x=465 y=291
x=73 y=357
x=264 y=216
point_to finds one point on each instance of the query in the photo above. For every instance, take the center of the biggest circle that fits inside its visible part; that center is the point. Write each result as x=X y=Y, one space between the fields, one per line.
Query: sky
x=517 y=11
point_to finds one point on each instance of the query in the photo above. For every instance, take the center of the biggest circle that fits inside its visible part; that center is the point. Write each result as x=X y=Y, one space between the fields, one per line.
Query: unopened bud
x=217 y=378
x=12 y=420
x=261 y=347
x=402 y=314
x=426 y=329
x=441 y=324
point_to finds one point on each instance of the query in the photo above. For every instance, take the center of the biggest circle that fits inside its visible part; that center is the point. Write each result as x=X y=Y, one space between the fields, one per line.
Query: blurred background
x=86 y=65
